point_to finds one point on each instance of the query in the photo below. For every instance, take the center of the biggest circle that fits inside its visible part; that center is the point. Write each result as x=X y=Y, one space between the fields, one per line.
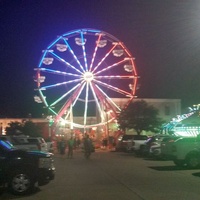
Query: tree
x=14 y=128
x=31 y=129
x=140 y=116
x=27 y=128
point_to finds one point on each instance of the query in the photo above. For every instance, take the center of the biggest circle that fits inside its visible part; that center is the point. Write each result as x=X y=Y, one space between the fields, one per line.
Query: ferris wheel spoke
x=96 y=99
x=68 y=103
x=86 y=104
x=60 y=84
x=84 y=52
x=113 y=103
x=75 y=100
x=43 y=98
x=95 y=52
x=116 y=89
x=115 y=77
x=65 y=62
x=68 y=114
x=111 y=66
x=51 y=71
x=40 y=64
x=106 y=55
x=52 y=111
x=73 y=54
x=77 y=97
x=64 y=95
x=109 y=106
x=102 y=98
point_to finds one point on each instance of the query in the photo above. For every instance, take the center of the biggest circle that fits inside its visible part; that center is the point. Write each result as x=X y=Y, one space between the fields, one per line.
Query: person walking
x=70 y=144
x=88 y=146
x=62 y=146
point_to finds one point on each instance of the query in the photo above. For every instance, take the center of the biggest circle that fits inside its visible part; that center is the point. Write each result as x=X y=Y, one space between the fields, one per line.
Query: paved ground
x=116 y=176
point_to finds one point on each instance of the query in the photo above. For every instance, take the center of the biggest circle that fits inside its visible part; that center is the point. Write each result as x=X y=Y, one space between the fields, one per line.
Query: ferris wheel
x=81 y=73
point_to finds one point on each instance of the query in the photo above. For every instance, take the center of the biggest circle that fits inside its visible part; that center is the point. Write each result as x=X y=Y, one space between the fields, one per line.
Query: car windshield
x=7 y=145
x=127 y=137
x=140 y=137
x=33 y=141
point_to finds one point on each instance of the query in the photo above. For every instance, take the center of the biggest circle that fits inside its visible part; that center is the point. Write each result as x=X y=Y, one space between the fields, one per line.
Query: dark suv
x=21 y=169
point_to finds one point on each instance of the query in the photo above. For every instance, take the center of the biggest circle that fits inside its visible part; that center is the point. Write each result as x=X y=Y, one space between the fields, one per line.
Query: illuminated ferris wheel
x=79 y=75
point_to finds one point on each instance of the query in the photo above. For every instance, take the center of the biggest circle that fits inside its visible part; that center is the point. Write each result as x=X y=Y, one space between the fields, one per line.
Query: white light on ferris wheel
x=41 y=79
x=131 y=86
x=128 y=68
x=101 y=43
x=48 y=61
x=80 y=41
x=61 y=47
x=118 y=52
x=37 y=99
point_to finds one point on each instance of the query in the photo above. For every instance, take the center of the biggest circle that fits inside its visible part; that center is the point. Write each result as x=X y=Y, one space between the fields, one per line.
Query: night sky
x=163 y=36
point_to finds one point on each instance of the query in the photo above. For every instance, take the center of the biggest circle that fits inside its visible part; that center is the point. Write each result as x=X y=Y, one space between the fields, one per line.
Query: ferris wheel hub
x=88 y=76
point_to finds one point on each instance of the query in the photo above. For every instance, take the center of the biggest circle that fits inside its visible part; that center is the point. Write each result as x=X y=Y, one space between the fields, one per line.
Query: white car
x=50 y=147
x=41 y=143
x=155 y=150
x=137 y=141
x=20 y=142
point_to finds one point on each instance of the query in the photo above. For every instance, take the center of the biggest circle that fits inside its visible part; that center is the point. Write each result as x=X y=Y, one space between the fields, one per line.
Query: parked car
x=166 y=146
x=123 y=141
x=152 y=145
x=136 y=143
x=40 y=142
x=20 y=169
x=157 y=149
x=21 y=142
x=130 y=143
x=50 y=147
x=185 y=151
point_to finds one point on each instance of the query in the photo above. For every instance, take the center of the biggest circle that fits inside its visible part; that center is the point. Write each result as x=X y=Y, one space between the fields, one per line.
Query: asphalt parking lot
x=115 y=176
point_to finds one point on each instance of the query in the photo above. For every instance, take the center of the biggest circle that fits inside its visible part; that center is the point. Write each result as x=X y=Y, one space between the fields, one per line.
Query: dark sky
x=163 y=36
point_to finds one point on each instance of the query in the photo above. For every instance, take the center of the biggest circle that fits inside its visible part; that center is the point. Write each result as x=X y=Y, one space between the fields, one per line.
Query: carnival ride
x=78 y=75
x=177 y=126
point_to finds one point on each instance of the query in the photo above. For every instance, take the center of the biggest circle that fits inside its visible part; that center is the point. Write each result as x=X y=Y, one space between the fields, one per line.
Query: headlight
x=45 y=162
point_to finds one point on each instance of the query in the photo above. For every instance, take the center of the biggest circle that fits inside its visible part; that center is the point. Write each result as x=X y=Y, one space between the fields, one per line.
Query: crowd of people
x=67 y=146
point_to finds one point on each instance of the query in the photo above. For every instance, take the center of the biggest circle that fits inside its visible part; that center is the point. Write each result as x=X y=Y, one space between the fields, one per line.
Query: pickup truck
x=185 y=151
x=20 y=170
x=20 y=142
